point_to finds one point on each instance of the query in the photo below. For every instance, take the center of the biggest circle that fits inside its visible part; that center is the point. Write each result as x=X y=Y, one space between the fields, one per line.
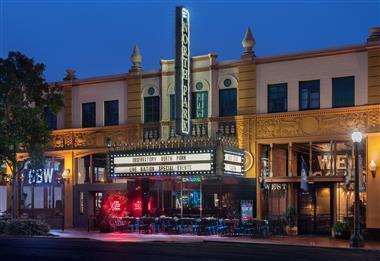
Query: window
x=51 y=119
x=99 y=174
x=152 y=109
x=88 y=115
x=98 y=200
x=81 y=202
x=172 y=107
x=277 y=97
x=343 y=91
x=309 y=95
x=227 y=102
x=111 y=113
x=199 y=105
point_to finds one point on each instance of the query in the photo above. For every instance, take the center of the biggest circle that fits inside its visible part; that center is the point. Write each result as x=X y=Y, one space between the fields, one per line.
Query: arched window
x=228 y=97
x=151 y=105
x=199 y=101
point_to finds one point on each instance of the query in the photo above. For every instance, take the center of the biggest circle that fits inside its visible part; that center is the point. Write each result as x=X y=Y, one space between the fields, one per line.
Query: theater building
x=265 y=115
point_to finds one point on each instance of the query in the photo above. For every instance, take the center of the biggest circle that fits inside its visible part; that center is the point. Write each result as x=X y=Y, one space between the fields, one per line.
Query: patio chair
x=221 y=227
x=210 y=227
x=144 y=226
x=196 y=226
x=168 y=225
x=155 y=225
x=133 y=225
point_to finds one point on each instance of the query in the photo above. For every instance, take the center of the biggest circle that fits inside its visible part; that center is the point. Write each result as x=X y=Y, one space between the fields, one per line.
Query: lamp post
x=65 y=176
x=356 y=238
x=109 y=146
x=219 y=167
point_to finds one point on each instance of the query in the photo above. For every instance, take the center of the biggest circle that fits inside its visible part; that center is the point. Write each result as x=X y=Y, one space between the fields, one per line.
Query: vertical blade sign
x=182 y=71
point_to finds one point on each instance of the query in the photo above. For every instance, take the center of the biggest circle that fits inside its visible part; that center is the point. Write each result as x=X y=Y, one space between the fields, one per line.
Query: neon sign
x=51 y=172
x=137 y=205
x=115 y=206
x=40 y=176
x=182 y=69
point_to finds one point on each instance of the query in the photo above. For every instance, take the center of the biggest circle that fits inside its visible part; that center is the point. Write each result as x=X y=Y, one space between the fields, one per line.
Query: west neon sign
x=182 y=69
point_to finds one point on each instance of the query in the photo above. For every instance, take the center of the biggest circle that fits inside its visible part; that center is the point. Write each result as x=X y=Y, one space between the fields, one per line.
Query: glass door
x=316 y=209
x=306 y=201
x=323 y=210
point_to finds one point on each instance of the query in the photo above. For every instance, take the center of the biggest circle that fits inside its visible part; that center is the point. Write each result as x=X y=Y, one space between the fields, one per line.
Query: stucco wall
x=99 y=93
x=322 y=68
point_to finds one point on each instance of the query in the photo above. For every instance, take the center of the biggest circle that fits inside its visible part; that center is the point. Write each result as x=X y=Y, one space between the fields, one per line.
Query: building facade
x=280 y=110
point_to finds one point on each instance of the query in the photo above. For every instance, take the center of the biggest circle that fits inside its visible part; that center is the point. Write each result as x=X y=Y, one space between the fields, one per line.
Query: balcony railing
x=227 y=126
x=199 y=128
x=151 y=131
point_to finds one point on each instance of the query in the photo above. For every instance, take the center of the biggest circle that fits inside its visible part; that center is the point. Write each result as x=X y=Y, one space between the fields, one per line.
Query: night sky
x=96 y=37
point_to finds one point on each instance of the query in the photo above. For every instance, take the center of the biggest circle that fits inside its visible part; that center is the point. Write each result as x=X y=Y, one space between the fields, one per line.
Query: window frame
x=172 y=111
x=51 y=119
x=109 y=123
x=309 y=99
x=194 y=106
x=335 y=93
x=88 y=125
x=284 y=85
x=155 y=114
x=233 y=113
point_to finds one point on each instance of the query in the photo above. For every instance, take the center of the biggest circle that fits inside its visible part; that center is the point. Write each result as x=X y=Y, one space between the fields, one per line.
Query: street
x=83 y=249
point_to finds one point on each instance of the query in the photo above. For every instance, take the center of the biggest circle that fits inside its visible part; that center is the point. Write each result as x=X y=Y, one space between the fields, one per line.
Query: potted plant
x=341 y=230
x=291 y=222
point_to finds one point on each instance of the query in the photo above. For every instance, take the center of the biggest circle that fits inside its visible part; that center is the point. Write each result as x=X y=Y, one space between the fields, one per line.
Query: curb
x=295 y=245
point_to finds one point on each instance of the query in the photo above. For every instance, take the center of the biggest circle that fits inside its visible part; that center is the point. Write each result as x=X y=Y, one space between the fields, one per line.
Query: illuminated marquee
x=233 y=162
x=182 y=69
x=163 y=162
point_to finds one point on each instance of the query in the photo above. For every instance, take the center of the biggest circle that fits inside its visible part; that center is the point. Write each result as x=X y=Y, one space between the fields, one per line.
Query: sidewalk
x=314 y=241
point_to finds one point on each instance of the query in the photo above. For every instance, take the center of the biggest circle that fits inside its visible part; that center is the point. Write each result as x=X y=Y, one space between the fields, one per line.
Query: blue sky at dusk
x=96 y=37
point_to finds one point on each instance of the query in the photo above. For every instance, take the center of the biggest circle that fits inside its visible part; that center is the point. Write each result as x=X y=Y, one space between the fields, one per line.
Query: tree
x=24 y=98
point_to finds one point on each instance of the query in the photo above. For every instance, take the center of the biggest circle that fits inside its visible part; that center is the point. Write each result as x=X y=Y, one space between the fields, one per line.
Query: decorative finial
x=136 y=59
x=374 y=36
x=70 y=75
x=248 y=44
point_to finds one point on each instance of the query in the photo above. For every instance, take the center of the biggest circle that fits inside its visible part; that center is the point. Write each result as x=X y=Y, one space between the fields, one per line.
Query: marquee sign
x=233 y=162
x=182 y=71
x=162 y=162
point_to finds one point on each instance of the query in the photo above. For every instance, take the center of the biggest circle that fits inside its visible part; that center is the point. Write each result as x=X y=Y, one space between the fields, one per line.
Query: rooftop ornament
x=136 y=60
x=248 y=44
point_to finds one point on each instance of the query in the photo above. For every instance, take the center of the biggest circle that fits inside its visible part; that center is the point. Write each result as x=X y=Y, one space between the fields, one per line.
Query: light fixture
x=357 y=136
x=66 y=173
x=372 y=168
x=219 y=135
x=109 y=142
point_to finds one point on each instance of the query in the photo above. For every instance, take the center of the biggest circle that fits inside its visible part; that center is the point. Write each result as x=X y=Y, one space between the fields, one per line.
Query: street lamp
x=219 y=167
x=356 y=237
x=109 y=146
x=65 y=176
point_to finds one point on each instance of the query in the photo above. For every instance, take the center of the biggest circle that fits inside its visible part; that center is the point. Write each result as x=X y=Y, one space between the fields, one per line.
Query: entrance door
x=316 y=209
x=3 y=199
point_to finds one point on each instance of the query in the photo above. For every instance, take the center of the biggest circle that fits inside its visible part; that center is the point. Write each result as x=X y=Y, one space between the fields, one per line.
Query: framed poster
x=246 y=210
